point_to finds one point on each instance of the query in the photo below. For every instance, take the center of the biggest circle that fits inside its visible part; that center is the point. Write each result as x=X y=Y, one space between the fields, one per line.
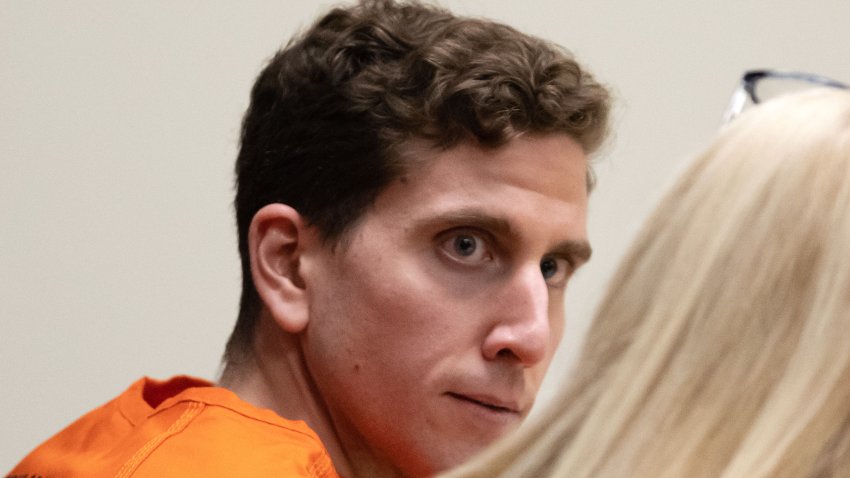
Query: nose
x=521 y=330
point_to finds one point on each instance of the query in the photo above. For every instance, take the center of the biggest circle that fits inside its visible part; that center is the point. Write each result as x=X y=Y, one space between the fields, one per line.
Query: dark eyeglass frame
x=747 y=87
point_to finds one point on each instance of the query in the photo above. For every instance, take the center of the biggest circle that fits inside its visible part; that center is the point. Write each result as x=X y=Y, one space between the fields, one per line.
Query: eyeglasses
x=757 y=86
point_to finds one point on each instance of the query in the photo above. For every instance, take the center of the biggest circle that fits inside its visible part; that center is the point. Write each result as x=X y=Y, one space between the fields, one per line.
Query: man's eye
x=468 y=248
x=555 y=270
x=465 y=245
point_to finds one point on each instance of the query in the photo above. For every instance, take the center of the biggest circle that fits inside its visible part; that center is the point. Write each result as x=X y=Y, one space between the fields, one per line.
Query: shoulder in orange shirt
x=180 y=427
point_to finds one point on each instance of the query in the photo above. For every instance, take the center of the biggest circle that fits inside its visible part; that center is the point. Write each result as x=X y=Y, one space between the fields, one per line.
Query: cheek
x=556 y=324
x=403 y=320
x=391 y=311
x=384 y=347
x=369 y=314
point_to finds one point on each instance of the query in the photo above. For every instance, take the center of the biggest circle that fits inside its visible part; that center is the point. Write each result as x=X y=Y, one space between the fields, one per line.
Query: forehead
x=418 y=153
x=532 y=175
x=520 y=162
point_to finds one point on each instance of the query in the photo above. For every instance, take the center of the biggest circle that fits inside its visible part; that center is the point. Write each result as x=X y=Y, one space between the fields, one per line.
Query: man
x=411 y=201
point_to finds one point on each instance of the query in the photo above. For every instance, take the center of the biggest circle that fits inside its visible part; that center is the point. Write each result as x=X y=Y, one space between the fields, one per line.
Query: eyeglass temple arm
x=736 y=103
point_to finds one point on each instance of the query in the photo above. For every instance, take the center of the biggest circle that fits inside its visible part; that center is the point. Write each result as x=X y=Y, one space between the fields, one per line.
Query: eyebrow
x=579 y=250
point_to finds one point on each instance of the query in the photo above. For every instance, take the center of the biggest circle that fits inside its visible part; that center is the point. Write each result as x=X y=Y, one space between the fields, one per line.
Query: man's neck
x=275 y=377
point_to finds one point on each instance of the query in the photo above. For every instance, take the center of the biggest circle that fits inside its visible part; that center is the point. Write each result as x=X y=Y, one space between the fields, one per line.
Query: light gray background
x=118 y=130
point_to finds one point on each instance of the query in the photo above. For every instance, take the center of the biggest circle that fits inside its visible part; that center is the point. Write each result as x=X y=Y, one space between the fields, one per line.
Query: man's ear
x=275 y=237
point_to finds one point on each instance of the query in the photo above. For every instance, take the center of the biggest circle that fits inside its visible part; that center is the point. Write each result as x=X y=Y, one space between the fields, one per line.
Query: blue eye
x=555 y=270
x=548 y=268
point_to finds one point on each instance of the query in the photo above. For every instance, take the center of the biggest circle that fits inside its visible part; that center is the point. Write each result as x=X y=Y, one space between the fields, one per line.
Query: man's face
x=432 y=324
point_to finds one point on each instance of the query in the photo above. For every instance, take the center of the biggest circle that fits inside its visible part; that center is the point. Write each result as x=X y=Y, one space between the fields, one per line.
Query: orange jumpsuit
x=179 y=428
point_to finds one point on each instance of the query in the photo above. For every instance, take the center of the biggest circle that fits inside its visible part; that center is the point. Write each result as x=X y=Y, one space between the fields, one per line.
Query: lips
x=491 y=403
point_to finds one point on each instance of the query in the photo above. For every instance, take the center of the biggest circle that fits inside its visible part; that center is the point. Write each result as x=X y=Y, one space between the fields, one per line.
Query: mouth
x=489 y=403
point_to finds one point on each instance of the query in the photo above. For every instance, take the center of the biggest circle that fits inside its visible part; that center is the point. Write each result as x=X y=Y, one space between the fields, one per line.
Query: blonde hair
x=722 y=347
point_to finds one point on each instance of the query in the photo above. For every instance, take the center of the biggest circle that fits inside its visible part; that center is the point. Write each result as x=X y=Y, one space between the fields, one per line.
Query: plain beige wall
x=119 y=127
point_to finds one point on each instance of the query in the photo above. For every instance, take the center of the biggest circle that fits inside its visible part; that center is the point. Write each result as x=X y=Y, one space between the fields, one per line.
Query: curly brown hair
x=331 y=109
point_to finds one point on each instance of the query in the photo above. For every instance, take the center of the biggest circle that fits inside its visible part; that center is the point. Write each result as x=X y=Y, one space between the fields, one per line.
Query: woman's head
x=721 y=344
